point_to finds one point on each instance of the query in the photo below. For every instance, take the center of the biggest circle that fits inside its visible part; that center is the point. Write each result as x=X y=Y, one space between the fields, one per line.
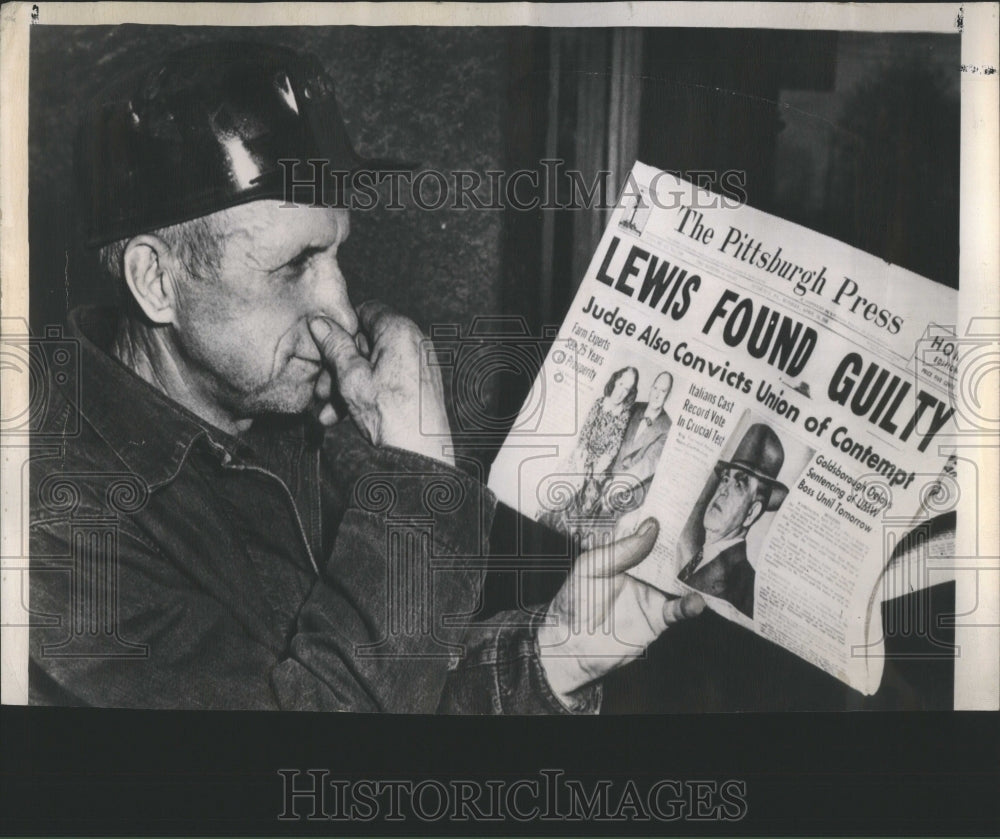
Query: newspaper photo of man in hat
x=747 y=488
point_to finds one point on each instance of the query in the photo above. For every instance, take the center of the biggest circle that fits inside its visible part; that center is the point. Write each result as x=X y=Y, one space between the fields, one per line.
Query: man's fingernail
x=320 y=328
x=647 y=527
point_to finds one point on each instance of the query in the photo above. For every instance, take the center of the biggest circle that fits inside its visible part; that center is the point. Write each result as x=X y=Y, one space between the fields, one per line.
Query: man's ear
x=150 y=277
x=755 y=512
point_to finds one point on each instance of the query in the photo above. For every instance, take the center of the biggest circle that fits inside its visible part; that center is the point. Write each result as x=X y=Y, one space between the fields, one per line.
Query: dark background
x=853 y=135
x=97 y=773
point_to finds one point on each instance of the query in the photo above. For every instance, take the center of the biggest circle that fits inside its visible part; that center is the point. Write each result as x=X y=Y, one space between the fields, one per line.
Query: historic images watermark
x=475 y=361
x=89 y=624
x=920 y=554
x=318 y=795
x=551 y=186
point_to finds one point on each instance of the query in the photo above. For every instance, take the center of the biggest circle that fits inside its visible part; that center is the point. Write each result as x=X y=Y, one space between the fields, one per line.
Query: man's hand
x=394 y=399
x=601 y=618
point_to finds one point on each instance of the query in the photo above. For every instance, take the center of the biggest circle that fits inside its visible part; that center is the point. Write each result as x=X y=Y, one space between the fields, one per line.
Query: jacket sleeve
x=387 y=626
x=492 y=666
x=501 y=673
x=398 y=591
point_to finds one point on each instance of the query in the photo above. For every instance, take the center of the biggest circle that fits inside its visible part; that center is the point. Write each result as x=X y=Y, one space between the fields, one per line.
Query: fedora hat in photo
x=760 y=454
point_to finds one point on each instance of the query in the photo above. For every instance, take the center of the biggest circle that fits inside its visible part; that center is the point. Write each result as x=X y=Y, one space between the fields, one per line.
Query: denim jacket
x=174 y=566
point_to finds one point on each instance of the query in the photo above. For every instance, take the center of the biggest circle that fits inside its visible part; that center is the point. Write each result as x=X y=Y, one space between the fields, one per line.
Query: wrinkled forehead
x=273 y=222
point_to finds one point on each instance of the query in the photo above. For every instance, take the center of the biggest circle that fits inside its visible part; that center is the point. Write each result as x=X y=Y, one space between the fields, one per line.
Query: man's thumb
x=335 y=343
x=628 y=552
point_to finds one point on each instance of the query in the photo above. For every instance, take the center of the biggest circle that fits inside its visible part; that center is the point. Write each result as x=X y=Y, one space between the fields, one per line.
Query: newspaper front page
x=772 y=396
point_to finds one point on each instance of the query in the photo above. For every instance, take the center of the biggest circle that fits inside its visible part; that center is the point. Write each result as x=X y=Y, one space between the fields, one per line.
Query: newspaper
x=772 y=396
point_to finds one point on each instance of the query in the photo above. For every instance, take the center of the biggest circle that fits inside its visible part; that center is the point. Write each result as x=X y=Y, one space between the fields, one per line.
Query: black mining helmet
x=204 y=129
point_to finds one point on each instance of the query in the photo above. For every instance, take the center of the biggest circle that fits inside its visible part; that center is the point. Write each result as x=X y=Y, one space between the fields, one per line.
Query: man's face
x=659 y=392
x=244 y=336
x=733 y=507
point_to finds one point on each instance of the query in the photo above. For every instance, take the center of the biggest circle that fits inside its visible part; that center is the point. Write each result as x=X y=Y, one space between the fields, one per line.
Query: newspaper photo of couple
x=616 y=454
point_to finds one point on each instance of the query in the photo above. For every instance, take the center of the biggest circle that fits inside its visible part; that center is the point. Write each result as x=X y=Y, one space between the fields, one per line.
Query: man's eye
x=299 y=262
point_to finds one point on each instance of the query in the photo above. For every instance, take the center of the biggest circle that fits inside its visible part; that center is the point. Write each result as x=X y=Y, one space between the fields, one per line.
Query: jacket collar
x=150 y=432
x=715 y=549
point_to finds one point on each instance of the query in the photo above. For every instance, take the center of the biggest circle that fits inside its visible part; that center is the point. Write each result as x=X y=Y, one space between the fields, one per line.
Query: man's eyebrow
x=302 y=256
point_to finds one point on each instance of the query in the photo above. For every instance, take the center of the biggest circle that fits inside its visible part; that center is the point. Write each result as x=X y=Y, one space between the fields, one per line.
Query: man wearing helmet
x=271 y=556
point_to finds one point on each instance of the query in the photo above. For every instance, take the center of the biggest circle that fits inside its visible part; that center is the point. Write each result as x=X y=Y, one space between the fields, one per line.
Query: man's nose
x=330 y=298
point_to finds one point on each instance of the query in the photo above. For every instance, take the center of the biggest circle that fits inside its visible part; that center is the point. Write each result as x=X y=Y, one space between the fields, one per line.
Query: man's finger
x=337 y=347
x=628 y=552
x=324 y=386
x=688 y=606
x=374 y=316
